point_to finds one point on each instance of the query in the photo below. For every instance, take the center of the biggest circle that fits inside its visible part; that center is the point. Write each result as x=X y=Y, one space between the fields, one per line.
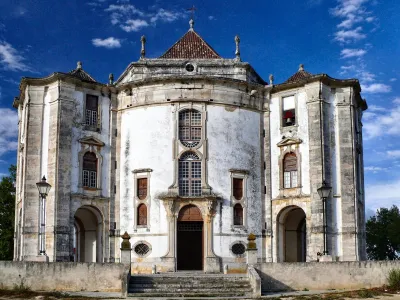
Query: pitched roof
x=81 y=74
x=191 y=46
x=300 y=75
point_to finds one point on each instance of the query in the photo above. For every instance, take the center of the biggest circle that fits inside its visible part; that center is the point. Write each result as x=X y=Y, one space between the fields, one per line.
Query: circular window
x=142 y=249
x=238 y=249
x=189 y=68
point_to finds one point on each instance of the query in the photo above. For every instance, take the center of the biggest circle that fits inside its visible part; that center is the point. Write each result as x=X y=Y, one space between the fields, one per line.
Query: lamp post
x=44 y=189
x=324 y=192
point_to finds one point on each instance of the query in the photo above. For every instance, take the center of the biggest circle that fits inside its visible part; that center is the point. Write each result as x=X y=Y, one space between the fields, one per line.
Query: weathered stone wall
x=323 y=276
x=64 y=276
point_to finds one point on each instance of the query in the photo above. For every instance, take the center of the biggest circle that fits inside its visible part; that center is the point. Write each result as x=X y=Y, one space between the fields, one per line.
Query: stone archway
x=88 y=235
x=190 y=238
x=292 y=235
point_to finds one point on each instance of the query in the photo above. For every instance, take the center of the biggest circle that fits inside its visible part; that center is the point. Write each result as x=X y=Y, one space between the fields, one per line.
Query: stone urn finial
x=301 y=67
x=252 y=244
x=143 y=51
x=271 y=79
x=111 y=78
x=79 y=65
x=237 y=42
x=126 y=244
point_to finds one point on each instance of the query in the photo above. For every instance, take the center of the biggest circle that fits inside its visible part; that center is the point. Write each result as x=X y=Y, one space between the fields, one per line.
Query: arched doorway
x=292 y=235
x=88 y=235
x=190 y=239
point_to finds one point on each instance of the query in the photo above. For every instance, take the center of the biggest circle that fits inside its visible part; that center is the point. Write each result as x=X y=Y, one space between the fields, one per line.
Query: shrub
x=394 y=279
x=365 y=294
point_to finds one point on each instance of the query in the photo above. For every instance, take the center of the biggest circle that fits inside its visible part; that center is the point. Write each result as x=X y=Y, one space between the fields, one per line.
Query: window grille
x=142 y=215
x=290 y=171
x=189 y=175
x=237 y=188
x=142 y=188
x=142 y=249
x=238 y=249
x=238 y=215
x=91 y=110
x=89 y=170
x=190 y=127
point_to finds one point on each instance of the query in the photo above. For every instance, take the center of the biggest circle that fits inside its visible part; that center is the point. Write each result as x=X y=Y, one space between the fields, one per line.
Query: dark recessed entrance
x=190 y=239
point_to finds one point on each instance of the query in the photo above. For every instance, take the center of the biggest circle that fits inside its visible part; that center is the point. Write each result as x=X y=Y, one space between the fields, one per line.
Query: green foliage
x=383 y=234
x=394 y=279
x=7 y=207
x=365 y=294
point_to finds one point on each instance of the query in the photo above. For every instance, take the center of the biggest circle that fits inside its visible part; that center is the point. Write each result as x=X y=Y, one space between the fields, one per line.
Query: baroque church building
x=189 y=153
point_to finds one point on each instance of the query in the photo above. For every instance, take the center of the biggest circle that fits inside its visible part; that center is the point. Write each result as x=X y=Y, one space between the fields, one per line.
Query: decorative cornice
x=289 y=141
x=142 y=170
x=239 y=171
x=90 y=140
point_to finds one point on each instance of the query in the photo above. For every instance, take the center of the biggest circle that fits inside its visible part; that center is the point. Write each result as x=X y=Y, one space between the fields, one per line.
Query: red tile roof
x=191 y=46
x=300 y=75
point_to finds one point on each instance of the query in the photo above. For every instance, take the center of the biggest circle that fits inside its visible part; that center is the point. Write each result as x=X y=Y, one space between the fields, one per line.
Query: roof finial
x=271 y=79
x=301 y=67
x=111 y=78
x=237 y=52
x=191 y=23
x=79 y=65
x=143 y=51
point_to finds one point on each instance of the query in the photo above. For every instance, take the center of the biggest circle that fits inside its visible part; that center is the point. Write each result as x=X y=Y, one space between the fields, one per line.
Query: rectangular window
x=91 y=115
x=89 y=178
x=142 y=188
x=288 y=111
x=237 y=188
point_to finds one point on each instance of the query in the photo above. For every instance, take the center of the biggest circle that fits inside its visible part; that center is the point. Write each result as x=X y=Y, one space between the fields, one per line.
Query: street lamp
x=44 y=189
x=324 y=191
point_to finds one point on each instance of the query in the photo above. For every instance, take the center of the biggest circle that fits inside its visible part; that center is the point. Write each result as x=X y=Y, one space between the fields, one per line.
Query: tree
x=7 y=207
x=383 y=234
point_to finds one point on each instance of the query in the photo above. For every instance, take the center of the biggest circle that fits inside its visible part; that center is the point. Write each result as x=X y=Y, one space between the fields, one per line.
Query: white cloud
x=347 y=7
x=108 y=43
x=346 y=53
x=10 y=59
x=375 y=198
x=166 y=16
x=376 y=88
x=375 y=170
x=382 y=122
x=211 y=18
x=8 y=130
x=393 y=153
x=350 y=21
x=373 y=107
x=393 y=79
x=369 y=19
x=134 y=25
x=347 y=36
x=124 y=9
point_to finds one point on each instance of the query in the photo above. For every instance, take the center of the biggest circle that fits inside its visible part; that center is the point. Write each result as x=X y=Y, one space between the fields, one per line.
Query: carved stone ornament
x=126 y=244
x=252 y=241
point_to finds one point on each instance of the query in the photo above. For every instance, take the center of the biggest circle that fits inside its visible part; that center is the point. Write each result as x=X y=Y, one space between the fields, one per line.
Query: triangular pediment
x=90 y=140
x=191 y=46
x=289 y=141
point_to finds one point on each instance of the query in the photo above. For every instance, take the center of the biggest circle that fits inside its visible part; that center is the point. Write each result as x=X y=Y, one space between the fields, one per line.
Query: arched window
x=237 y=215
x=190 y=127
x=290 y=171
x=89 y=174
x=189 y=174
x=142 y=215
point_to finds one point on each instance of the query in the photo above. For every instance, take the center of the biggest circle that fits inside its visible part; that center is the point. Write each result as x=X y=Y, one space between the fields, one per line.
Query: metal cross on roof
x=192 y=9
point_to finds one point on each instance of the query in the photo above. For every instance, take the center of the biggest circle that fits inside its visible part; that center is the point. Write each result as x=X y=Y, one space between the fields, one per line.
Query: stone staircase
x=189 y=285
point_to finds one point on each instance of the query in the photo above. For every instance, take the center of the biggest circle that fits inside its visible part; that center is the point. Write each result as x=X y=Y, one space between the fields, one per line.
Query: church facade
x=189 y=153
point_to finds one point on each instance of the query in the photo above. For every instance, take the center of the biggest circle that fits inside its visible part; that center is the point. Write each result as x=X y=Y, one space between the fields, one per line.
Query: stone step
x=186 y=279
x=190 y=295
x=190 y=289
x=244 y=284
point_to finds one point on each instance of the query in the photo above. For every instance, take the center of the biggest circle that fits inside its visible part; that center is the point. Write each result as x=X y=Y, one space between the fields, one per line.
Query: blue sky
x=343 y=38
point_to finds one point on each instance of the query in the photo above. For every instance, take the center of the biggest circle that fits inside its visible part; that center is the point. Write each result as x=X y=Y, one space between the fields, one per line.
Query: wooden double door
x=190 y=237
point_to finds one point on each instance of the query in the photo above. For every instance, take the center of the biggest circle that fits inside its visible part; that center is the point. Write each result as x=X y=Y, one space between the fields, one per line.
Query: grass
x=393 y=279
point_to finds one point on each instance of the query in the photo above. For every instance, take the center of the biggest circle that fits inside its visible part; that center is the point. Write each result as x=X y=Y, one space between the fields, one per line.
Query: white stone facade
x=241 y=145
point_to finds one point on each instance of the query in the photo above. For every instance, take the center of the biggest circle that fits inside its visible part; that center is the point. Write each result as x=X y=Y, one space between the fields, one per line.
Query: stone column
x=170 y=257
x=251 y=250
x=126 y=249
x=212 y=262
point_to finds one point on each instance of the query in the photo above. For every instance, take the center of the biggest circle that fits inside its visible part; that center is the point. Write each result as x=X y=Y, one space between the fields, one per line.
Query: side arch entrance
x=292 y=235
x=190 y=254
x=88 y=223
